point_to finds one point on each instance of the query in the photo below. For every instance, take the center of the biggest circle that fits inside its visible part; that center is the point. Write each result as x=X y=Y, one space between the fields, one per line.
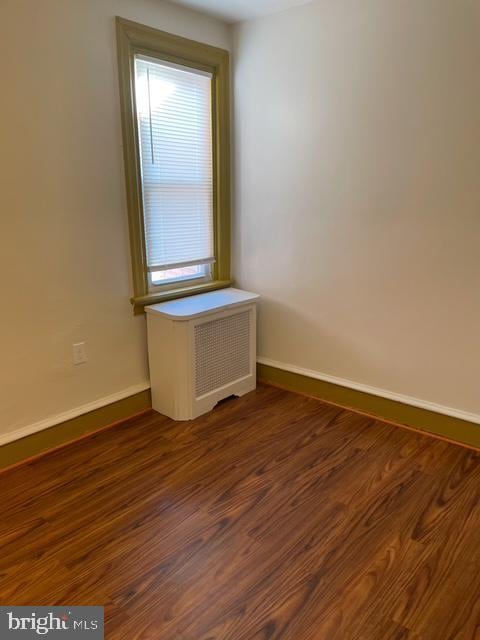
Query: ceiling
x=236 y=10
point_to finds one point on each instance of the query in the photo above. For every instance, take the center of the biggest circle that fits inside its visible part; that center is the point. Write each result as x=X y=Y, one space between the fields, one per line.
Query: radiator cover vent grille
x=222 y=352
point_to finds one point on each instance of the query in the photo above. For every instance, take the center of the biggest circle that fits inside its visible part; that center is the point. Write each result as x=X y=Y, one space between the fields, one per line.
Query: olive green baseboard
x=438 y=424
x=73 y=429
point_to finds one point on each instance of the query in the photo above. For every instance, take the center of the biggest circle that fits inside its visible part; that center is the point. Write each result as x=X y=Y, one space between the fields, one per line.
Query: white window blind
x=174 y=110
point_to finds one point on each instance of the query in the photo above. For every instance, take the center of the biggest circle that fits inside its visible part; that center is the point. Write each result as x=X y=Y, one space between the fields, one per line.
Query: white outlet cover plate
x=79 y=353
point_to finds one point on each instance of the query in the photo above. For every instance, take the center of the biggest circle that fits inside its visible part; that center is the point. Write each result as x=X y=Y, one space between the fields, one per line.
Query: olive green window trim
x=133 y=39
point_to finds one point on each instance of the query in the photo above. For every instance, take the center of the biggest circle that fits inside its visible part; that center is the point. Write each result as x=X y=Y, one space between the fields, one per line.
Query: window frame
x=137 y=39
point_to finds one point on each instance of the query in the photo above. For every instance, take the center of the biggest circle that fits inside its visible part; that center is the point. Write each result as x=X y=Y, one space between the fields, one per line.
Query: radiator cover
x=197 y=359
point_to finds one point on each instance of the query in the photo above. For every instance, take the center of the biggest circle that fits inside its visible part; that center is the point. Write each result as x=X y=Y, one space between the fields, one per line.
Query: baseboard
x=446 y=422
x=64 y=427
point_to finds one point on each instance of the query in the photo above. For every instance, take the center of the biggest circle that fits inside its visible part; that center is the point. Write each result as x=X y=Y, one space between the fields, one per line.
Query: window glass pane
x=180 y=273
x=174 y=111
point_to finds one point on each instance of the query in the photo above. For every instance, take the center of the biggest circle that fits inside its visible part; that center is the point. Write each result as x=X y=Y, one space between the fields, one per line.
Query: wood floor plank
x=274 y=517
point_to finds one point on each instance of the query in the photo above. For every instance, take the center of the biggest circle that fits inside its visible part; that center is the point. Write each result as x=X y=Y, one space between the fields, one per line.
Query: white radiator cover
x=201 y=349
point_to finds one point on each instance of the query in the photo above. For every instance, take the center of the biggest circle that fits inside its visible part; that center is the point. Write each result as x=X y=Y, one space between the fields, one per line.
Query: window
x=175 y=114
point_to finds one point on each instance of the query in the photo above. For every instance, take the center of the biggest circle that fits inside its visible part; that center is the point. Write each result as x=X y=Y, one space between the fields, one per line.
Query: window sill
x=152 y=298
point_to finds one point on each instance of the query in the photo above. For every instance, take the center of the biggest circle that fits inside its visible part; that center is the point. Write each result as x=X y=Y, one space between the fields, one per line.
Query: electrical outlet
x=79 y=353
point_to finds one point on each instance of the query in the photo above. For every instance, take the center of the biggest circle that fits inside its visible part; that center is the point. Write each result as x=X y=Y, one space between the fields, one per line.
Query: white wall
x=64 y=253
x=358 y=191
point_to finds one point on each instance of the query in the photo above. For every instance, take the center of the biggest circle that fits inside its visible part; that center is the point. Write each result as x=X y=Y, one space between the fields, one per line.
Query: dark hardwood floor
x=275 y=516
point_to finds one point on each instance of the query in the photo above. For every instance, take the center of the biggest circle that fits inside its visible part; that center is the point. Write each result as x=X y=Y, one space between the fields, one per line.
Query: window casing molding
x=136 y=39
